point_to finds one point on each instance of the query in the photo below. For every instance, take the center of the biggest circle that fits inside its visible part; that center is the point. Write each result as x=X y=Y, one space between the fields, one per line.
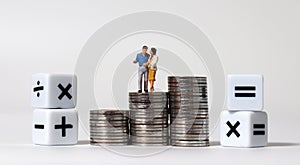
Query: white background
x=250 y=36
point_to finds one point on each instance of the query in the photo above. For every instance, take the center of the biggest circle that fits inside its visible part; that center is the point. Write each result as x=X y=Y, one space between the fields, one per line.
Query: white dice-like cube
x=55 y=127
x=245 y=92
x=53 y=90
x=244 y=129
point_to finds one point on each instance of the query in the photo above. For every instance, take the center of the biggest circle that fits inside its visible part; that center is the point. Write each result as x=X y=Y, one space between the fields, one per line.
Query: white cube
x=244 y=129
x=53 y=90
x=55 y=127
x=245 y=92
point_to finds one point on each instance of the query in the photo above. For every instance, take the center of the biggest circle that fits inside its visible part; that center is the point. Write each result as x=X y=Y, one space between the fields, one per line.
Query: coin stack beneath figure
x=188 y=104
x=109 y=127
x=149 y=118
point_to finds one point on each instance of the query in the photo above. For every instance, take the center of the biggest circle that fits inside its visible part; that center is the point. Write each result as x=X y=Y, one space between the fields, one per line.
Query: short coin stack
x=109 y=127
x=148 y=118
x=189 y=111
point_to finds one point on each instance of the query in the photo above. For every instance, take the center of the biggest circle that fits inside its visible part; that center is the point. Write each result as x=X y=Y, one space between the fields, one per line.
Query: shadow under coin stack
x=109 y=127
x=189 y=111
x=149 y=118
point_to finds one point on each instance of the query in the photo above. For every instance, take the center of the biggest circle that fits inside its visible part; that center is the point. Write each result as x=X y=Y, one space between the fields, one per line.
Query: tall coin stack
x=109 y=127
x=149 y=118
x=189 y=111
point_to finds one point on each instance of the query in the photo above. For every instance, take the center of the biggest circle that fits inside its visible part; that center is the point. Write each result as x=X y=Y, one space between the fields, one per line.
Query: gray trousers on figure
x=143 y=71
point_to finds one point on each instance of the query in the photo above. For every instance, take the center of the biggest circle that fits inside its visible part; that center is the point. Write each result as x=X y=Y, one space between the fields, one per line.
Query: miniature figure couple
x=147 y=68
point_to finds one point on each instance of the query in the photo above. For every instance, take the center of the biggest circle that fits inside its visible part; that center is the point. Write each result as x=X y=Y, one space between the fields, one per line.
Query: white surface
x=245 y=103
x=275 y=154
x=250 y=36
x=242 y=128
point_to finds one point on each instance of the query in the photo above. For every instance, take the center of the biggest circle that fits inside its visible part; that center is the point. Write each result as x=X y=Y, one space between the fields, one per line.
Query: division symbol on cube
x=63 y=126
x=65 y=91
x=38 y=88
x=245 y=91
x=233 y=129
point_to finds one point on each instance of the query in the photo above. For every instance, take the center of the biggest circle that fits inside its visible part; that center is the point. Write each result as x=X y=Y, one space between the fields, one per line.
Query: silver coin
x=181 y=86
x=188 y=94
x=94 y=121
x=133 y=126
x=149 y=122
x=162 y=98
x=199 y=129
x=188 y=110
x=103 y=133
x=109 y=114
x=109 y=120
x=108 y=124
x=191 y=118
x=107 y=111
x=189 y=122
x=150 y=144
x=103 y=126
x=150 y=117
x=199 y=88
x=187 y=77
x=140 y=140
x=199 y=135
x=145 y=117
x=109 y=141
x=111 y=130
x=187 y=128
x=149 y=112
x=144 y=133
x=148 y=101
x=192 y=97
x=103 y=138
x=203 y=133
x=98 y=140
x=179 y=144
x=152 y=93
x=147 y=140
x=108 y=134
x=190 y=141
x=147 y=106
x=188 y=131
x=174 y=81
x=110 y=137
x=148 y=129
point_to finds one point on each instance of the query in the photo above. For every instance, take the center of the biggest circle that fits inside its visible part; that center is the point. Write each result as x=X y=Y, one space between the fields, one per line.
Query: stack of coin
x=188 y=104
x=149 y=118
x=109 y=127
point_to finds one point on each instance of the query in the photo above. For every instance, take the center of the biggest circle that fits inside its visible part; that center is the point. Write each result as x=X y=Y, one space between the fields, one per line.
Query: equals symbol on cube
x=245 y=91
x=38 y=88
x=259 y=129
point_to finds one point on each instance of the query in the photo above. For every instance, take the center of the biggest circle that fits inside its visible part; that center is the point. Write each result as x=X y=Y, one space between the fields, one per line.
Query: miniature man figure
x=142 y=60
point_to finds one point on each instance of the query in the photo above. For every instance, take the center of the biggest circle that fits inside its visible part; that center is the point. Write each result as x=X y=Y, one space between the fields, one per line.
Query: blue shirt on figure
x=142 y=59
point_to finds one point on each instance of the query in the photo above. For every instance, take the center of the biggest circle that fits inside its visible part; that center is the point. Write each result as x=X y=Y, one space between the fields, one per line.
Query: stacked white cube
x=55 y=119
x=245 y=124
